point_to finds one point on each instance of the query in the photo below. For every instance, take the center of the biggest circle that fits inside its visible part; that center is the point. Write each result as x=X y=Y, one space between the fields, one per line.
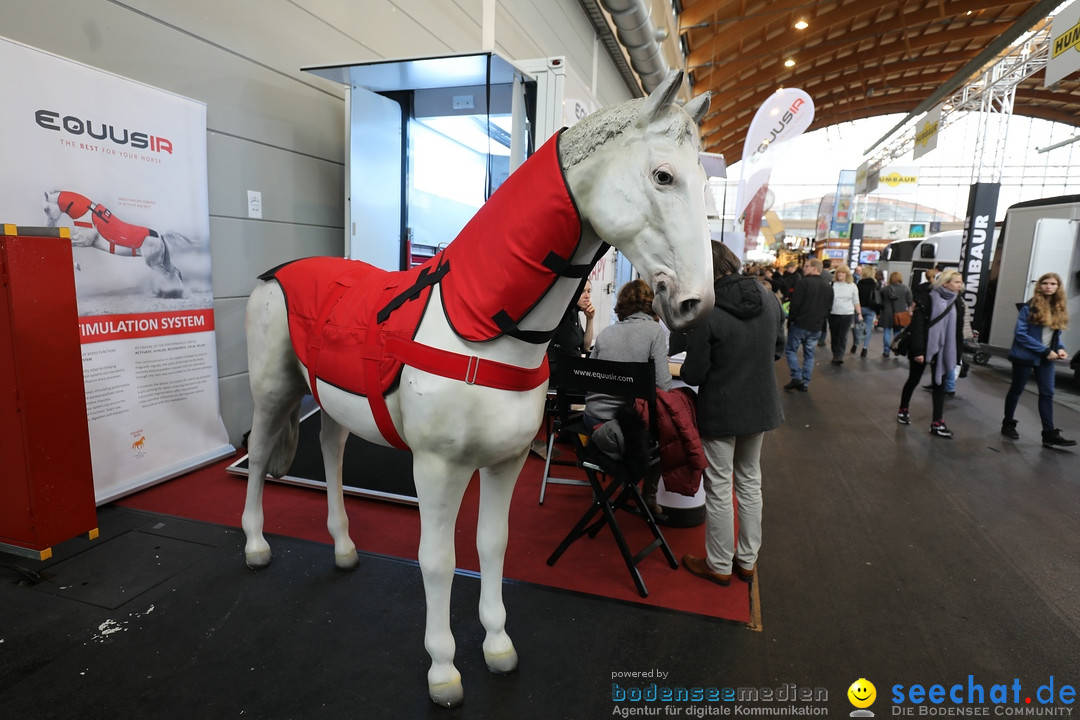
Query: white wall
x=273 y=128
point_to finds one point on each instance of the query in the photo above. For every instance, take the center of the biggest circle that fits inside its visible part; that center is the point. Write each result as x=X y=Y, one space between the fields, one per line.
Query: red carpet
x=591 y=565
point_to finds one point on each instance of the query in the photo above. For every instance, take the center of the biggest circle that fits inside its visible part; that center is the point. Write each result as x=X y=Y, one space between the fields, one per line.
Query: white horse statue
x=453 y=365
x=97 y=227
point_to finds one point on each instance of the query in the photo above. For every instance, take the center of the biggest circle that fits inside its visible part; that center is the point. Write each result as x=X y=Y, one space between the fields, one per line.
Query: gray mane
x=583 y=137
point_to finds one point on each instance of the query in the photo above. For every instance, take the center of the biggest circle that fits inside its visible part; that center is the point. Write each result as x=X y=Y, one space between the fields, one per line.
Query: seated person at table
x=636 y=337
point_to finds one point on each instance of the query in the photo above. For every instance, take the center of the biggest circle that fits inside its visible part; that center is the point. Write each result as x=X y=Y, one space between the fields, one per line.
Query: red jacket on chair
x=682 y=457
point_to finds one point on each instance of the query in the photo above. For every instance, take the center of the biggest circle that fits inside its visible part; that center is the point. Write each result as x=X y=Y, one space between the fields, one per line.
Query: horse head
x=643 y=192
x=51 y=207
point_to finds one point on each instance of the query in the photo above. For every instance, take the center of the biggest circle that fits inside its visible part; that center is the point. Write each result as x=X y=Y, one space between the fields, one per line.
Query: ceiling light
x=802 y=25
x=789 y=63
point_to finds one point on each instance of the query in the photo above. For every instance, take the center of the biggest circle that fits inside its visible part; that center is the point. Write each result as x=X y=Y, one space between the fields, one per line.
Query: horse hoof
x=447 y=695
x=348 y=561
x=503 y=662
x=257 y=559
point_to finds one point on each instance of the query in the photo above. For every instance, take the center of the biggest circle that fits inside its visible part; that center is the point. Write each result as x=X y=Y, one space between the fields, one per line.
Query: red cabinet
x=46 y=480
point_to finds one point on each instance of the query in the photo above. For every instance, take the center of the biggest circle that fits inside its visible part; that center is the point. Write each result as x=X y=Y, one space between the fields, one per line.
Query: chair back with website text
x=614 y=478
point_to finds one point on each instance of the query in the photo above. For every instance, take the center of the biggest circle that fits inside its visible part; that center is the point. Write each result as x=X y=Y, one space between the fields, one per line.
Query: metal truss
x=990 y=93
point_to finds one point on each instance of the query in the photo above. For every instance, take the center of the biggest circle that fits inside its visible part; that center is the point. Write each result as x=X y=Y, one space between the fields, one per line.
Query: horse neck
x=508 y=255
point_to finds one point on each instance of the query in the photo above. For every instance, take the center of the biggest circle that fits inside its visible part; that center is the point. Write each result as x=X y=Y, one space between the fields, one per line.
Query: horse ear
x=697 y=107
x=661 y=97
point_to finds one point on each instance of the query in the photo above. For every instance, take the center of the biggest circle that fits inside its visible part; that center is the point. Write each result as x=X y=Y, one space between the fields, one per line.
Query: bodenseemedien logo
x=862 y=694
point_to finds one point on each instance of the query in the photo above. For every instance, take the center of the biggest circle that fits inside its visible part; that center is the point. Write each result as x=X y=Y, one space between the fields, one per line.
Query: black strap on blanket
x=563 y=268
x=423 y=280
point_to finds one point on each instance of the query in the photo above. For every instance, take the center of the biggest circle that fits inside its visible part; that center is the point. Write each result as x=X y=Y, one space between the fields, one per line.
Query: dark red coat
x=682 y=457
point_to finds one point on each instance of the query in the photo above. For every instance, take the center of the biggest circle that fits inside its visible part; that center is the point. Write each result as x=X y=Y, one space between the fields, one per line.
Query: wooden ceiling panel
x=856 y=59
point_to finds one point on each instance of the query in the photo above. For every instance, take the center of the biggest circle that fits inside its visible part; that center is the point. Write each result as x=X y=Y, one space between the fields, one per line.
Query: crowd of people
x=763 y=313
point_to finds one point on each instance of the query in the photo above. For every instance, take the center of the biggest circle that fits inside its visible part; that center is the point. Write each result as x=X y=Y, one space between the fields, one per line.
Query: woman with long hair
x=1036 y=344
x=936 y=340
x=895 y=297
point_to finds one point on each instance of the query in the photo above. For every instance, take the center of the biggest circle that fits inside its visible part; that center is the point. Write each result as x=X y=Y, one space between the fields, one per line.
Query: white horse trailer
x=1038 y=236
x=911 y=257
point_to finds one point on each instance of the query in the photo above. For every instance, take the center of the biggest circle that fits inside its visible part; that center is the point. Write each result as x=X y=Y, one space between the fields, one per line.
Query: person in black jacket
x=937 y=340
x=811 y=301
x=730 y=359
x=570 y=338
x=870 y=301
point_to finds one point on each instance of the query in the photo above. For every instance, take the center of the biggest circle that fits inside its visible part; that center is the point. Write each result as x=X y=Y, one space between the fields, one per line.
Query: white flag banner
x=123 y=165
x=926 y=133
x=783 y=116
x=1064 y=45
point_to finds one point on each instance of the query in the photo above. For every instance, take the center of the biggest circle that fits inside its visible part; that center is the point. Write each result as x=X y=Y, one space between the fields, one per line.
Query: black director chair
x=613 y=484
x=562 y=411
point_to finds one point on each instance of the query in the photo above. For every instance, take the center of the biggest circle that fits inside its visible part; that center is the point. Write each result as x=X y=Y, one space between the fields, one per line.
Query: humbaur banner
x=783 y=116
x=926 y=133
x=124 y=166
x=1064 y=46
x=898 y=180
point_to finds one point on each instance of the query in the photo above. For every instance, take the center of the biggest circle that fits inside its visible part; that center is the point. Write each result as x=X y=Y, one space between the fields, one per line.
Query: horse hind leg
x=496 y=488
x=277 y=387
x=332 y=438
x=271 y=445
x=155 y=252
x=439 y=487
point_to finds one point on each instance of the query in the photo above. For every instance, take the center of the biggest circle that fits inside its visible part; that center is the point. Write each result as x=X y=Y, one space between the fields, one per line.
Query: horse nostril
x=661 y=287
x=689 y=307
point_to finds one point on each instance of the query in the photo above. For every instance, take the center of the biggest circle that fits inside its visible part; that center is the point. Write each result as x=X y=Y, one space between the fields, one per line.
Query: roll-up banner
x=845 y=197
x=783 y=116
x=855 y=247
x=124 y=166
x=975 y=249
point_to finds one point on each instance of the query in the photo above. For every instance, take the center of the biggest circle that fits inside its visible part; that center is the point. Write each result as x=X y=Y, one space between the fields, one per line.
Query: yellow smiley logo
x=862 y=693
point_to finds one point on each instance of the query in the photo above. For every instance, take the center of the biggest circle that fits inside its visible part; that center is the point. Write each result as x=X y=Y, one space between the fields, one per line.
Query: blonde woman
x=937 y=340
x=1036 y=344
x=845 y=306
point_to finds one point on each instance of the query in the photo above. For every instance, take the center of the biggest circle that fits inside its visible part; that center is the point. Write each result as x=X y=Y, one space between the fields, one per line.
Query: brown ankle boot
x=649 y=487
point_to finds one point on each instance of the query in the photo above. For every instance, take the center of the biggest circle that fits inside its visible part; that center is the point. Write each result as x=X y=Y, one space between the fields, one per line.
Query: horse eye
x=663 y=177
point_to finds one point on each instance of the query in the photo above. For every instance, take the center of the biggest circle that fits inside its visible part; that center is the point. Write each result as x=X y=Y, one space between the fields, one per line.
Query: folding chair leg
x=547 y=463
x=599 y=502
x=659 y=541
x=624 y=550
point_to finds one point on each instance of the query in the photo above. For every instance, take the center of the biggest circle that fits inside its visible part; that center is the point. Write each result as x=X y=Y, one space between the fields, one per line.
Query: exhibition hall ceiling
x=855 y=58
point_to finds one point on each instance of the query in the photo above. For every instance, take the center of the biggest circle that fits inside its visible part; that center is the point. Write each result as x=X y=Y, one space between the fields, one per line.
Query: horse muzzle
x=678 y=307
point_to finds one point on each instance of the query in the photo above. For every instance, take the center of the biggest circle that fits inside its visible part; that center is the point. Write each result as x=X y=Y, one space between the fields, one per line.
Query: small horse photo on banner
x=95 y=226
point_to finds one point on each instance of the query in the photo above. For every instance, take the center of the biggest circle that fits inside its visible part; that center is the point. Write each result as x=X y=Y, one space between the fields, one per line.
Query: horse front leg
x=439 y=488
x=332 y=438
x=496 y=488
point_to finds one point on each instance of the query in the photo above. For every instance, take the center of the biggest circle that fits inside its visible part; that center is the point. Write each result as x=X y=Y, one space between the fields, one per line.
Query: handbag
x=901 y=341
x=902 y=318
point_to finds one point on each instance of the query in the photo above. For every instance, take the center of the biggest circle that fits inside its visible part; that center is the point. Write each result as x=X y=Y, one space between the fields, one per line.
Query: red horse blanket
x=113 y=229
x=352 y=324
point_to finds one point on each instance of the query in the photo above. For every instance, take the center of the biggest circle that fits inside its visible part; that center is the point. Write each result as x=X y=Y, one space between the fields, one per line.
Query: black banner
x=855 y=246
x=975 y=250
